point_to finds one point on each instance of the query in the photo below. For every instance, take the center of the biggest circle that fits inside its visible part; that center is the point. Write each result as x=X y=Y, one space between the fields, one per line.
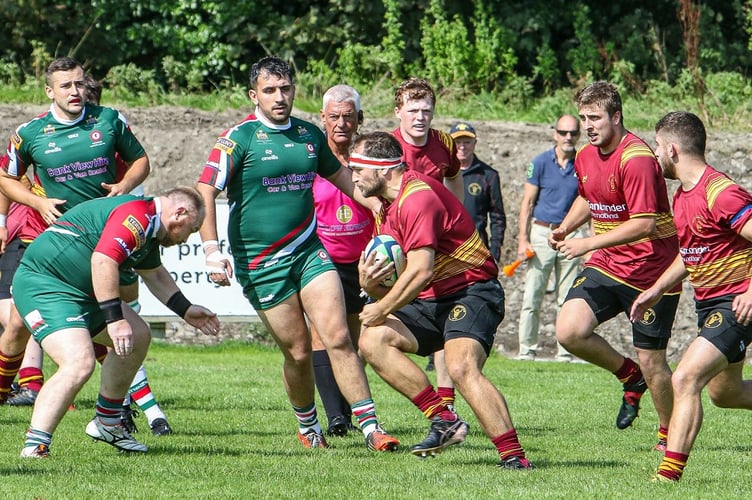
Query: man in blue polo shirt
x=550 y=189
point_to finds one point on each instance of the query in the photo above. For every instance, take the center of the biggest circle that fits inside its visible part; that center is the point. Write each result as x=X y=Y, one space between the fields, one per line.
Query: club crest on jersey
x=714 y=320
x=612 y=183
x=96 y=137
x=344 y=214
x=134 y=226
x=302 y=130
x=474 y=189
x=261 y=135
x=225 y=145
x=457 y=313
x=48 y=129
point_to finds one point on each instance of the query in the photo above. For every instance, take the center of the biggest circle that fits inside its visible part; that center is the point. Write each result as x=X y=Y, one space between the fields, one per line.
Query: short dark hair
x=382 y=145
x=272 y=66
x=93 y=89
x=686 y=129
x=603 y=94
x=61 y=64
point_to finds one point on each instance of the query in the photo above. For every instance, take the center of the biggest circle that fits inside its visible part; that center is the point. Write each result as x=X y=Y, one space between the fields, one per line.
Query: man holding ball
x=446 y=297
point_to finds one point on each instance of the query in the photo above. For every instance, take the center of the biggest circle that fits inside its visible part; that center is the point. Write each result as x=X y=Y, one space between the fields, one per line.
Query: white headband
x=362 y=161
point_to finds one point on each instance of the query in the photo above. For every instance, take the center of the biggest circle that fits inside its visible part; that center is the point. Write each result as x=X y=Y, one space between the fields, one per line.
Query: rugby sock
x=508 y=445
x=446 y=394
x=662 y=433
x=109 y=410
x=35 y=437
x=629 y=373
x=31 y=378
x=365 y=414
x=672 y=465
x=332 y=398
x=9 y=366
x=141 y=394
x=429 y=402
x=307 y=418
x=100 y=352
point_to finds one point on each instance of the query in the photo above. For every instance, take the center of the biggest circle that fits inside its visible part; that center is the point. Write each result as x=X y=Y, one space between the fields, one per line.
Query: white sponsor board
x=187 y=266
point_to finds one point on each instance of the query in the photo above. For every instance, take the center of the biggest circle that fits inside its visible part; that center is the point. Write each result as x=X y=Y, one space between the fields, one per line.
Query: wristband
x=3 y=220
x=112 y=310
x=209 y=243
x=178 y=304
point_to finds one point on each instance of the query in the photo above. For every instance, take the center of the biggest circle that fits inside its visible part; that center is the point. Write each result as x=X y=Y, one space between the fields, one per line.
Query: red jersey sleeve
x=126 y=229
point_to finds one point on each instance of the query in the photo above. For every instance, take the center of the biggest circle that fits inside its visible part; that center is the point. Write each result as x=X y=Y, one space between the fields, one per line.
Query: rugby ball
x=387 y=249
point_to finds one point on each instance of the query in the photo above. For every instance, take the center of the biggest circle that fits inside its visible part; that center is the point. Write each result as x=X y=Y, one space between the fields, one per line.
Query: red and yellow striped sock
x=508 y=445
x=662 y=433
x=672 y=465
x=9 y=366
x=31 y=378
x=429 y=402
x=446 y=394
x=629 y=373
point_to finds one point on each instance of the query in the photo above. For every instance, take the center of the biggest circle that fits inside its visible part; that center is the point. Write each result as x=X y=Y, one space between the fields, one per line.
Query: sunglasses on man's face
x=563 y=133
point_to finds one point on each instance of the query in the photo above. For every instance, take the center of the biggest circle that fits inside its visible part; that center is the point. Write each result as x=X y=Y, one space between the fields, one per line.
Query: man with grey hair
x=344 y=228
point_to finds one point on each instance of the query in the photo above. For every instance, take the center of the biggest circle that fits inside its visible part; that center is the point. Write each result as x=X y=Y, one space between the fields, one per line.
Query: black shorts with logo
x=608 y=297
x=474 y=312
x=717 y=323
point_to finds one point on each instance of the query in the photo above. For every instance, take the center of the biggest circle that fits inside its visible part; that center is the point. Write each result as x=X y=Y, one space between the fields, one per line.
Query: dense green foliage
x=235 y=438
x=522 y=47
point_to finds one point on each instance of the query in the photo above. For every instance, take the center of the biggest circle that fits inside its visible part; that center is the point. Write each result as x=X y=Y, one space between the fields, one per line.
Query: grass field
x=235 y=438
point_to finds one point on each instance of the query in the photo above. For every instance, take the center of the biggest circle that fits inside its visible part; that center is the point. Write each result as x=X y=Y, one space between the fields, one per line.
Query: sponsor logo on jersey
x=579 y=281
x=134 y=226
x=225 y=145
x=128 y=251
x=311 y=150
x=457 y=313
x=48 y=129
x=52 y=147
x=269 y=155
x=262 y=135
x=323 y=256
x=16 y=140
x=474 y=188
x=73 y=136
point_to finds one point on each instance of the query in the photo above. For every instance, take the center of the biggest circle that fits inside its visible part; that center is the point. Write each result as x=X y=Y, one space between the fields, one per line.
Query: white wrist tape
x=214 y=264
